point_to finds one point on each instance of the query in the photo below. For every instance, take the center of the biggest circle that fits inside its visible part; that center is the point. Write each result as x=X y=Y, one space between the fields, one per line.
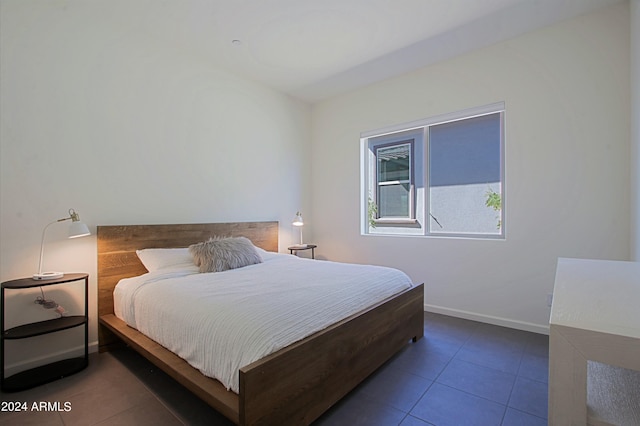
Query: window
x=442 y=176
x=394 y=180
x=392 y=193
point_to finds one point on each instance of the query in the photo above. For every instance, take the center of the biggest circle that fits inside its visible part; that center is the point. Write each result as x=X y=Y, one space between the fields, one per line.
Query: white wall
x=99 y=117
x=566 y=90
x=635 y=130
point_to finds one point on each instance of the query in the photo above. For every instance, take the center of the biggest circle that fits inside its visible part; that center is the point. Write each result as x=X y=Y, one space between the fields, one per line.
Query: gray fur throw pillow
x=220 y=254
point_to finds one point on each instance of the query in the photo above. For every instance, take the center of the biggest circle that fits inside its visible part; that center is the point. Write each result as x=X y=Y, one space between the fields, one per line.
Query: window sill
x=383 y=221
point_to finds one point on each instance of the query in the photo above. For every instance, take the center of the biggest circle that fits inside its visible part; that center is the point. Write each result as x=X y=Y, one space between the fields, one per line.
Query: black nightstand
x=56 y=370
x=311 y=247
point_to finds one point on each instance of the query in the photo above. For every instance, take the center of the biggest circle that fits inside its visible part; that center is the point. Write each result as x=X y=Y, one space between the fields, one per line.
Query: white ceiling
x=315 y=49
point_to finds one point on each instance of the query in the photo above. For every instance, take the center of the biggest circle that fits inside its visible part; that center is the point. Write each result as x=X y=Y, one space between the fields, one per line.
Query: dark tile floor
x=461 y=373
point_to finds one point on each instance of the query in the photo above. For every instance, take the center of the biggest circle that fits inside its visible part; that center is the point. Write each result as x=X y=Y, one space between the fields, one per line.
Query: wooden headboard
x=117 y=247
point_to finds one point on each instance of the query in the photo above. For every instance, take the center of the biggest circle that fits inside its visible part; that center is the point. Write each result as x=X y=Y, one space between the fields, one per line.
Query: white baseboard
x=77 y=351
x=504 y=322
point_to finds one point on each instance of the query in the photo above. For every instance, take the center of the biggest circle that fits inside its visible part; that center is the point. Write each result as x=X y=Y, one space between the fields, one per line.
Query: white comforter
x=220 y=322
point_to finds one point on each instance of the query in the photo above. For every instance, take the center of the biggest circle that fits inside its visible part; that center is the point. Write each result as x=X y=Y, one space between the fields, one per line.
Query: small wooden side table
x=311 y=247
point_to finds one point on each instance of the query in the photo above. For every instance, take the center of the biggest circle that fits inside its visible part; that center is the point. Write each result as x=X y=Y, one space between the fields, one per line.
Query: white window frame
x=419 y=129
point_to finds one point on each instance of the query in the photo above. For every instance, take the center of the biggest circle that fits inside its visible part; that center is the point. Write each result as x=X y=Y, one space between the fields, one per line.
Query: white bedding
x=220 y=322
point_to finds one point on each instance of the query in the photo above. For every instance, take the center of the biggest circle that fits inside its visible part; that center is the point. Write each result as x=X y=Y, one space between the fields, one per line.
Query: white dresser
x=594 y=343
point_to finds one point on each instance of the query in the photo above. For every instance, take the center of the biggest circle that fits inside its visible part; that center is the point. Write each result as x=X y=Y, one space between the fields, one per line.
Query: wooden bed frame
x=294 y=385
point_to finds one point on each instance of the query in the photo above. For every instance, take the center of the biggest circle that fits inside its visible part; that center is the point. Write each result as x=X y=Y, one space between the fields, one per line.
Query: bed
x=293 y=385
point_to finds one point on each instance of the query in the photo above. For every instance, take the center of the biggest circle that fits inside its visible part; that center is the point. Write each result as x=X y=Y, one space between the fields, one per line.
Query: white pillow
x=161 y=258
x=266 y=255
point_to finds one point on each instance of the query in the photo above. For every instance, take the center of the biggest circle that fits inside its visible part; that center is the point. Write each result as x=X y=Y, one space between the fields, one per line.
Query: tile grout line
x=438 y=375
